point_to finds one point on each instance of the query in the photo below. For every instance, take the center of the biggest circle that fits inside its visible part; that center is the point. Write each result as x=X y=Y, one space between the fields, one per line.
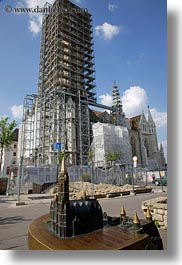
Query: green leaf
x=6 y=135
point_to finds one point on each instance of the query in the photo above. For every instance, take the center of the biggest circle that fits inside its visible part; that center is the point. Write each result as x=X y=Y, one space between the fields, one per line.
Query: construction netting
x=110 y=138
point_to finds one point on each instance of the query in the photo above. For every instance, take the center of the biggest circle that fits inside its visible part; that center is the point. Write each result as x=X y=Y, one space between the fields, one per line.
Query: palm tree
x=6 y=135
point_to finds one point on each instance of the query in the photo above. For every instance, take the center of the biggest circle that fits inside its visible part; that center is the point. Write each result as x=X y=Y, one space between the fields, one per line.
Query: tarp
x=109 y=138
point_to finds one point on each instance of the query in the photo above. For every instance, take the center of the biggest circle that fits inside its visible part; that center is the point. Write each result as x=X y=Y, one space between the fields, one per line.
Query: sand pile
x=77 y=189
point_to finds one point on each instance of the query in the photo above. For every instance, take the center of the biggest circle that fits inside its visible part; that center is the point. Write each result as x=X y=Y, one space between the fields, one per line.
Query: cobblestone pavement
x=14 y=220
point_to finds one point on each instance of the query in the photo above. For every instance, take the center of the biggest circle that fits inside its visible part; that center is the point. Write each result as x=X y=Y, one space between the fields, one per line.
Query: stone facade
x=144 y=144
x=142 y=137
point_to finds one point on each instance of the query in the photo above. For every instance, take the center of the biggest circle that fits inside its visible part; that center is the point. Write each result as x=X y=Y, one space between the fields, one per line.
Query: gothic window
x=68 y=108
x=133 y=146
x=147 y=148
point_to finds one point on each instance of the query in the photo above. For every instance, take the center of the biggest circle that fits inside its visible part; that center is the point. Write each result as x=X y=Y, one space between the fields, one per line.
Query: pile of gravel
x=78 y=188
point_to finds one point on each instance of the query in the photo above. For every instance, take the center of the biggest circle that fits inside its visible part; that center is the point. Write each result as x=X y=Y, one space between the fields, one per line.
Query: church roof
x=96 y=112
x=135 y=117
x=134 y=122
x=15 y=135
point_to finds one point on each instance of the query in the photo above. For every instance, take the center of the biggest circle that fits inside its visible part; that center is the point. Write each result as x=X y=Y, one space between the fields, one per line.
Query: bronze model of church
x=71 y=218
x=81 y=224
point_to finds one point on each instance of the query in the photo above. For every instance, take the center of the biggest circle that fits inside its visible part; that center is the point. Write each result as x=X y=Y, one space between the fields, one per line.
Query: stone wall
x=158 y=209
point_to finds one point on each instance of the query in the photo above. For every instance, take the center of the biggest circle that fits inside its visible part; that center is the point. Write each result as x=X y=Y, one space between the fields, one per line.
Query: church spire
x=116 y=103
x=63 y=166
x=150 y=119
x=161 y=148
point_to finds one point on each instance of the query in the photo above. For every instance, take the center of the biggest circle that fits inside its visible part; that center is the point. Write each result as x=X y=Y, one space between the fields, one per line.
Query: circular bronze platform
x=110 y=238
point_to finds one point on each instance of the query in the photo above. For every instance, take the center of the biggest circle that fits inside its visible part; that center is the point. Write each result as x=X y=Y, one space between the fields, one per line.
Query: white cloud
x=134 y=101
x=17 y=111
x=35 y=19
x=106 y=99
x=34 y=27
x=112 y=7
x=107 y=31
x=160 y=118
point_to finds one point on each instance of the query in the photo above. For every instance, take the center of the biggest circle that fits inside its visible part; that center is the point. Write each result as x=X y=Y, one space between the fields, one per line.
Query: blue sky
x=130 y=48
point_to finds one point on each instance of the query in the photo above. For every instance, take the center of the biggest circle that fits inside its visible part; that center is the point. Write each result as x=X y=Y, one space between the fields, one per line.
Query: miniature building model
x=71 y=218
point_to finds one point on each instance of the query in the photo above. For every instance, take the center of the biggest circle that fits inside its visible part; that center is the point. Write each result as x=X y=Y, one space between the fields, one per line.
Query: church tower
x=151 y=123
x=152 y=131
x=144 y=143
x=116 y=103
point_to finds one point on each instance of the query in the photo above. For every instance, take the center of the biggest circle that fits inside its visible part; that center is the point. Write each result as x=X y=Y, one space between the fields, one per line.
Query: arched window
x=147 y=148
x=133 y=146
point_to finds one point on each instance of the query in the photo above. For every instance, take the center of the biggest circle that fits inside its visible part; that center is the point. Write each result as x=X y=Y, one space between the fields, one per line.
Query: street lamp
x=146 y=181
x=20 y=181
x=160 y=177
x=134 y=166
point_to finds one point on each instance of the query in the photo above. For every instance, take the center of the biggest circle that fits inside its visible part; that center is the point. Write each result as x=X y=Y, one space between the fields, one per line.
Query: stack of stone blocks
x=158 y=209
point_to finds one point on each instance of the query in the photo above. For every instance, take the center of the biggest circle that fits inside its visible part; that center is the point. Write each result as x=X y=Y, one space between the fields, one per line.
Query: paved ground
x=14 y=220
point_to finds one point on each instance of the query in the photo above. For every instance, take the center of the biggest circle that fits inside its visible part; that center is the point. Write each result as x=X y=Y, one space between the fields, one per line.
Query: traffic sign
x=57 y=146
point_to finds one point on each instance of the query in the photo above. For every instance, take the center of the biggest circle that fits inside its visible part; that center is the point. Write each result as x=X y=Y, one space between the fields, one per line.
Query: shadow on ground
x=13 y=220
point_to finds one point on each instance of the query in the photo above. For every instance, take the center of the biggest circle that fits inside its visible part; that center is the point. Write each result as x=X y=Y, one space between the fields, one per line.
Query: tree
x=111 y=156
x=62 y=154
x=91 y=155
x=6 y=135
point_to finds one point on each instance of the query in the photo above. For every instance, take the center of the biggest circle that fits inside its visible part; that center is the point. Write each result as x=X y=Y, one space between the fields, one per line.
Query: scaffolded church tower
x=66 y=83
x=59 y=112
x=118 y=113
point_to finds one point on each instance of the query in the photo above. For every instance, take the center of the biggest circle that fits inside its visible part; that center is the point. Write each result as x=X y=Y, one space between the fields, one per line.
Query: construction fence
x=117 y=175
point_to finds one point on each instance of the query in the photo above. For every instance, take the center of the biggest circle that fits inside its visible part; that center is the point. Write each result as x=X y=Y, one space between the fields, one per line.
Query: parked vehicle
x=159 y=181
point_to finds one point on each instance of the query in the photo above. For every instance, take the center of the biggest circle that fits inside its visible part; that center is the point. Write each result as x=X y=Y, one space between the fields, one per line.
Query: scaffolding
x=118 y=112
x=27 y=135
x=66 y=87
x=66 y=78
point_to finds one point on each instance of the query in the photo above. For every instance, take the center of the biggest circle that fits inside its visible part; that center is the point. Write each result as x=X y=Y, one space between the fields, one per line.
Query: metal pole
x=146 y=177
x=134 y=165
x=57 y=167
x=132 y=178
x=160 y=178
x=20 y=178
x=92 y=180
